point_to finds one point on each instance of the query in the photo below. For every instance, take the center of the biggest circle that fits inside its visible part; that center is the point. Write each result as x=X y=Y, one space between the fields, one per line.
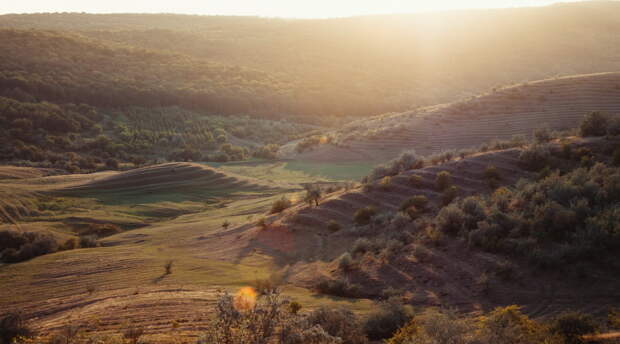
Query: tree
x=313 y=194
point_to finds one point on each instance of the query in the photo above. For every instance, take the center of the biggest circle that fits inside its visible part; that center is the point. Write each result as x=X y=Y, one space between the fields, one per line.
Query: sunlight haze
x=266 y=8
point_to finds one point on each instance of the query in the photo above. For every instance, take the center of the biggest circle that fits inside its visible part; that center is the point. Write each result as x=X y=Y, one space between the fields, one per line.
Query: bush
x=449 y=195
x=21 y=246
x=345 y=262
x=88 y=241
x=508 y=325
x=385 y=183
x=361 y=245
x=491 y=173
x=594 y=124
x=338 y=287
x=416 y=181
x=364 y=215
x=535 y=157
x=542 y=135
x=385 y=321
x=294 y=307
x=435 y=327
x=572 y=326
x=280 y=205
x=333 y=226
x=419 y=202
x=13 y=325
x=339 y=322
x=450 y=220
x=443 y=180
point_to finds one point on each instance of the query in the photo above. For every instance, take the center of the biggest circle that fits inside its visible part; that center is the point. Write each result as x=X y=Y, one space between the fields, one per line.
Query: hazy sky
x=267 y=8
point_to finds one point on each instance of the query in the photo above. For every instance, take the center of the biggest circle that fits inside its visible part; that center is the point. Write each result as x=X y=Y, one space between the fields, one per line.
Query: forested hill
x=349 y=66
x=67 y=68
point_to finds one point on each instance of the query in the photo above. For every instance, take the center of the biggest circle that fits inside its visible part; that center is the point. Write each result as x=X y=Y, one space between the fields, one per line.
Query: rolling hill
x=556 y=104
x=358 y=66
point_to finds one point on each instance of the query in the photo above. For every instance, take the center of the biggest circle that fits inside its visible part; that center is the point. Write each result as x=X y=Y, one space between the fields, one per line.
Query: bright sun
x=267 y=8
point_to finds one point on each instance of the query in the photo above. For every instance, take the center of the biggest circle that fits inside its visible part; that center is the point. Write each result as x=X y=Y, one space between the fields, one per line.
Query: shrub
x=168 y=267
x=508 y=325
x=255 y=322
x=387 y=319
x=70 y=244
x=333 y=226
x=364 y=215
x=385 y=183
x=615 y=157
x=262 y=223
x=572 y=326
x=17 y=246
x=416 y=181
x=339 y=322
x=280 y=205
x=88 y=241
x=13 y=325
x=294 y=307
x=361 y=245
x=534 y=157
x=449 y=195
x=443 y=180
x=436 y=327
x=542 y=135
x=450 y=220
x=594 y=124
x=491 y=173
x=474 y=212
x=313 y=194
x=345 y=262
x=419 y=202
x=338 y=287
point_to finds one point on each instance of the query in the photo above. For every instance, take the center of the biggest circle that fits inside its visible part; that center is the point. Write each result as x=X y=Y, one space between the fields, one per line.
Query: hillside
x=414 y=255
x=357 y=66
x=555 y=104
x=98 y=288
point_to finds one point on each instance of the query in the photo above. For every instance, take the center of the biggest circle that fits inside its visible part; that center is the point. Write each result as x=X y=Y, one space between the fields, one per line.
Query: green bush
x=416 y=181
x=420 y=202
x=364 y=215
x=338 y=322
x=535 y=157
x=572 y=326
x=280 y=205
x=387 y=319
x=443 y=180
x=345 y=262
x=361 y=245
x=491 y=173
x=449 y=195
x=450 y=219
x=594 y=124
x=333 y=226
x=338 y=287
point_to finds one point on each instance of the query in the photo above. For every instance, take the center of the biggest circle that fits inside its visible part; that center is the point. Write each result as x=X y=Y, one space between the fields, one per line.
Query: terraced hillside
x=171 y=212
x=517 y=110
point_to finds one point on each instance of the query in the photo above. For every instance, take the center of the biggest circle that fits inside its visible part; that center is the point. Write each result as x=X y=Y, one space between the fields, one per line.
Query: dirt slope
x=517 y=110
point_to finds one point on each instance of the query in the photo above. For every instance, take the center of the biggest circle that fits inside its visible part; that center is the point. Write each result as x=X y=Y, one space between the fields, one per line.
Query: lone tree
x=225 y=224
x=313 y=194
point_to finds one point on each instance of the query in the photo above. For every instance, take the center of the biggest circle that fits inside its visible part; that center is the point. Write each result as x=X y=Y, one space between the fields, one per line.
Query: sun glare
x=245 y=299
